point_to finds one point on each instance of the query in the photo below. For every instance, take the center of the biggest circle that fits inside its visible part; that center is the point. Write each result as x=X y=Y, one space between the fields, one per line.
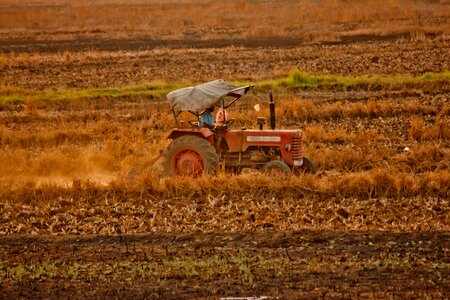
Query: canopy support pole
x=175 y=115
x=223 y=110
x=229 y=104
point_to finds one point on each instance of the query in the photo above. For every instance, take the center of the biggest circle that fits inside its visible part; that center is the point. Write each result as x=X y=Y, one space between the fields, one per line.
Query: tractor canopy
x=196 y=99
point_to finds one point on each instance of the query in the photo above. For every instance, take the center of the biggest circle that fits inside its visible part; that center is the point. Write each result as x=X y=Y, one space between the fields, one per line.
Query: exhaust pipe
x=272 y=111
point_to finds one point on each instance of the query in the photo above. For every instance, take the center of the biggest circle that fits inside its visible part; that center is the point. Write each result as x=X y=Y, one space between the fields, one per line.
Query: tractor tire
x=276 y=168
x=308 y=166
x=190 y=156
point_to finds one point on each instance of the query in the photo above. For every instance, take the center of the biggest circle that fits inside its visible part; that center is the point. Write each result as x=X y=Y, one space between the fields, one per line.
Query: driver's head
x=211 y=109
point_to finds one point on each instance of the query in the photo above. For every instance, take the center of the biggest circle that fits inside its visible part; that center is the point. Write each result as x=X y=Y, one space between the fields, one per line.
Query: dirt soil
x=295 y=242
x=251 y=60
x=301 y=264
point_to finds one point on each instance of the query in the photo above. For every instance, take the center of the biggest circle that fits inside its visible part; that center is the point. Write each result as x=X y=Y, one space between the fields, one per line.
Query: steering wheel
x=227 y=123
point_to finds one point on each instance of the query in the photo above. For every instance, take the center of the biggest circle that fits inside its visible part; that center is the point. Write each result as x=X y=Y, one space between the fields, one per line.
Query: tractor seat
x=194 y=124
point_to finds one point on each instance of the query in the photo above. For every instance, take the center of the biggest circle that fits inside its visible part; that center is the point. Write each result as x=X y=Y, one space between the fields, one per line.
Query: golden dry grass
x=88 y=161
x=80 y=164
x=380 y=199
x=339 y=136
x=79 y=131
x=309 y=20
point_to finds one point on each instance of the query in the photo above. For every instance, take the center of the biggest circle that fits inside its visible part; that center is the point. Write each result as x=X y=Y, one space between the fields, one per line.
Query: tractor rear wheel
x=276 y=168
x=191 y=156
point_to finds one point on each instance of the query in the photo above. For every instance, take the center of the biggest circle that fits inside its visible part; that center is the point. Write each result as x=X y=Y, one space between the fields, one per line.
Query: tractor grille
x=296 y=148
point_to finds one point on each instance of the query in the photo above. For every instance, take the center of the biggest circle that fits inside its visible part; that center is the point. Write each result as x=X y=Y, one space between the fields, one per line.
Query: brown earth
x=374 y=222
x=122 y=67
x=66 y=170
x=300 y=264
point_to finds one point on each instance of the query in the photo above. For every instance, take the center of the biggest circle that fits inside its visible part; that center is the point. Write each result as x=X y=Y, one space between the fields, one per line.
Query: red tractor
x=196 y=150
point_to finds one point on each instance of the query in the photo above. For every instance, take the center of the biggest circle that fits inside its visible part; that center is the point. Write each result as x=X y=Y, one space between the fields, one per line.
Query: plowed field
x=303 y=264
x=84 y=213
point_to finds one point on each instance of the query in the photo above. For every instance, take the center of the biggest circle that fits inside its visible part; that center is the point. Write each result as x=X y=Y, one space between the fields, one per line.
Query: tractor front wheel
x=190 y=156
x=276 y=168
x=308 y=166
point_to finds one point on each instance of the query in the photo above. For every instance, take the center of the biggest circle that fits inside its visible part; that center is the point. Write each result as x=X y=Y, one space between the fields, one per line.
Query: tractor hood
x=198 y=98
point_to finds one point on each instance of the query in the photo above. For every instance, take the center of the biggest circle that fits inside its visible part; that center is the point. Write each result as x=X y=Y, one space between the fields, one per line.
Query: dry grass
x=80 y=164
x=299 y=109
x=440 y=130
x=75 y=154
x=373 y=200
x=87 y=160
x=360 y=66
x=339 y=136
x=309 y=20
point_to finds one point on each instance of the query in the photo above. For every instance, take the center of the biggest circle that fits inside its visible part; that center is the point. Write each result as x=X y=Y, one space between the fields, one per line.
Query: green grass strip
x=299 y=79
x=295 y=79
x=17 y=95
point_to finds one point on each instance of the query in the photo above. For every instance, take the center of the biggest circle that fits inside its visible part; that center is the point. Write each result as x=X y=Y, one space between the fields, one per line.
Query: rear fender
x=202 y=133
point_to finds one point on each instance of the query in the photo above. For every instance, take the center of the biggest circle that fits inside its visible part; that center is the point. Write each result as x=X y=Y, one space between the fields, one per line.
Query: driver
x=206 y=119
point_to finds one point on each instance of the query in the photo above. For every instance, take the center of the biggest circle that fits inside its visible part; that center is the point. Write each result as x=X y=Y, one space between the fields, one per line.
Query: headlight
x=298 y=163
